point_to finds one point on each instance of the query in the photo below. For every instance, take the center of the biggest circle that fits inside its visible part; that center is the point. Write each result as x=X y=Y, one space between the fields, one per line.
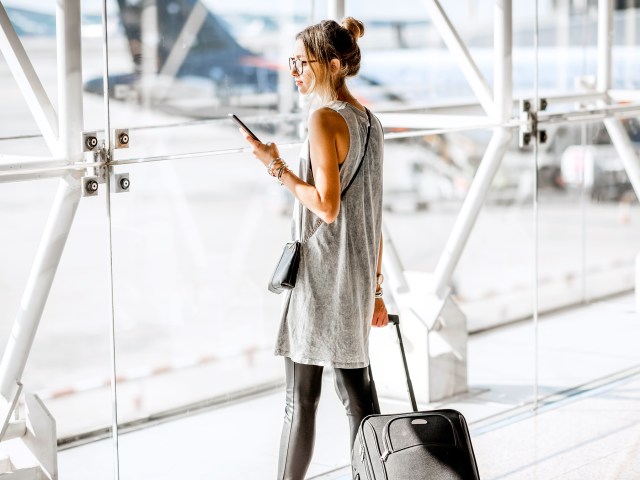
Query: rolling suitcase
x=433 y=444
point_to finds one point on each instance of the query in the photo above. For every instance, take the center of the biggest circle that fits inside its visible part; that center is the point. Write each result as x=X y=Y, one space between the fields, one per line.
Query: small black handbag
x=286 y=271
x=284 y=275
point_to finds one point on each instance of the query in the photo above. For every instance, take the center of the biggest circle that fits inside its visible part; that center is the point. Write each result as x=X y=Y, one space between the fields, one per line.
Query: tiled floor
x=591 y=436
x=594 y=434
x=597 y=437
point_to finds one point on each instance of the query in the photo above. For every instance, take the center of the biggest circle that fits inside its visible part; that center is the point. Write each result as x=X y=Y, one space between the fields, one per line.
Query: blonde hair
x=325 y=41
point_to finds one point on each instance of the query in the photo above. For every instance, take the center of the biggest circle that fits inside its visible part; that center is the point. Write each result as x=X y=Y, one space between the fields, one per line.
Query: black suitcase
x=433 y=444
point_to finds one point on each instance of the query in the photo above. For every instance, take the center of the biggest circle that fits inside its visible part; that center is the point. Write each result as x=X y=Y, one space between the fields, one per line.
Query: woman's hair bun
x=355 y=27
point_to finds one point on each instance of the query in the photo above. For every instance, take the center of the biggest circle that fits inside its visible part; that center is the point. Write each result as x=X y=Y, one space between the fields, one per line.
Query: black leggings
x=303 y=387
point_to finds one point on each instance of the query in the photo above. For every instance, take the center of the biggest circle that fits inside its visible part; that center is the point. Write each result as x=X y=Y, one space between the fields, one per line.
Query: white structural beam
x=422 y=120
x=69 y=53
x=28 y=82
x=470 y=210
x=39 y=284
x=64 y=206
x=17 y=163
x=436 y=325
x=458 y=49
x=605 y=42
x=626 y=150
x=336 y=10
x=502 y=61
x=619 y=136
x=503 y=94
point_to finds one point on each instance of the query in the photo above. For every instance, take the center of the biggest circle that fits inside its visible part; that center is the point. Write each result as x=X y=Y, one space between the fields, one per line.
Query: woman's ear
x=334 y=66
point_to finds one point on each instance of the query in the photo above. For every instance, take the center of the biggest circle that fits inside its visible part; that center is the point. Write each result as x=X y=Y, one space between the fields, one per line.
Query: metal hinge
x=529 y=115
x=94 y=146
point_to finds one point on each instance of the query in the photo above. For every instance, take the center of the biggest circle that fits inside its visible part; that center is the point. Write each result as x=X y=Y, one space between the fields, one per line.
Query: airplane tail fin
x=192 y=40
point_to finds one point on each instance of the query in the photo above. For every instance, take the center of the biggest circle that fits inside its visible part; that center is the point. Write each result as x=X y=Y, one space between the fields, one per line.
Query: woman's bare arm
x=326 y=129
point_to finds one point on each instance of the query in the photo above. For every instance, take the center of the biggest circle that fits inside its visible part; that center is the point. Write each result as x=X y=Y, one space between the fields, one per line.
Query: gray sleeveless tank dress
x=326 y=318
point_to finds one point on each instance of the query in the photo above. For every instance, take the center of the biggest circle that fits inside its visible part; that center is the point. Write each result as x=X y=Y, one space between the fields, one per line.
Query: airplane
x=199 y=50
x=196 y=46
x=211 y=53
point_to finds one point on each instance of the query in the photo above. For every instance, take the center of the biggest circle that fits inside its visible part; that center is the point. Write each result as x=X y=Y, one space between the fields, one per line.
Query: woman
x=338 y=296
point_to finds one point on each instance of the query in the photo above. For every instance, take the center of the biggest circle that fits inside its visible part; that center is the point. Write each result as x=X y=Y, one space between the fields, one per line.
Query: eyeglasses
x=298 y=64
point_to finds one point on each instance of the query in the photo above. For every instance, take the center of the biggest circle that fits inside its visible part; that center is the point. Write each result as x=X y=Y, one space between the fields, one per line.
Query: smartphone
x=243 y=126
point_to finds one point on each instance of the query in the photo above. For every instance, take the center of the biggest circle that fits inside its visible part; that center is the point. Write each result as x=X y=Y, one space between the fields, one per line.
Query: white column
x=501 y=111
x=69 y=52
x=502 y=61
x=335 y=10
x=605 y=41
x=617 y=132
x=64 y=206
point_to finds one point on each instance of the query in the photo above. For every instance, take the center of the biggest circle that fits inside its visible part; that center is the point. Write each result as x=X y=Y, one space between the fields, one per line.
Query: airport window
x=137 y=232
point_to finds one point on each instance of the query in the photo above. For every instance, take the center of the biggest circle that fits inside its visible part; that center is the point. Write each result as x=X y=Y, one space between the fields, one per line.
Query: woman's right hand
x=265 y=152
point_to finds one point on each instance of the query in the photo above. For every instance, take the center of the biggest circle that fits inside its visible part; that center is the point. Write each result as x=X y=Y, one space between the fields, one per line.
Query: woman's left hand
x=380 y=316
x=265 y=152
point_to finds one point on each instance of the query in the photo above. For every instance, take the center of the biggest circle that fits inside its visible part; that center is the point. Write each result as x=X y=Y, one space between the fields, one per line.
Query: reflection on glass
x=193 y=246
x=588 y=232
x=68 y=365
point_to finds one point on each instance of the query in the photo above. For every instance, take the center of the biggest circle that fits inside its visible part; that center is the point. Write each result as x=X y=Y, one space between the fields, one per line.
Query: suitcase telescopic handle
x=395 y=319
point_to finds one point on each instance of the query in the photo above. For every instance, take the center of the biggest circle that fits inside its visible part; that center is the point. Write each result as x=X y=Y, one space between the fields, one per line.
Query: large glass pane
x=587 y=242
x=587 y=223
x=192 y=255
x=184 y=62
x=426 y=182
x=196 y=237
x=68 y=365
x=69 y=361
x=197 y=234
